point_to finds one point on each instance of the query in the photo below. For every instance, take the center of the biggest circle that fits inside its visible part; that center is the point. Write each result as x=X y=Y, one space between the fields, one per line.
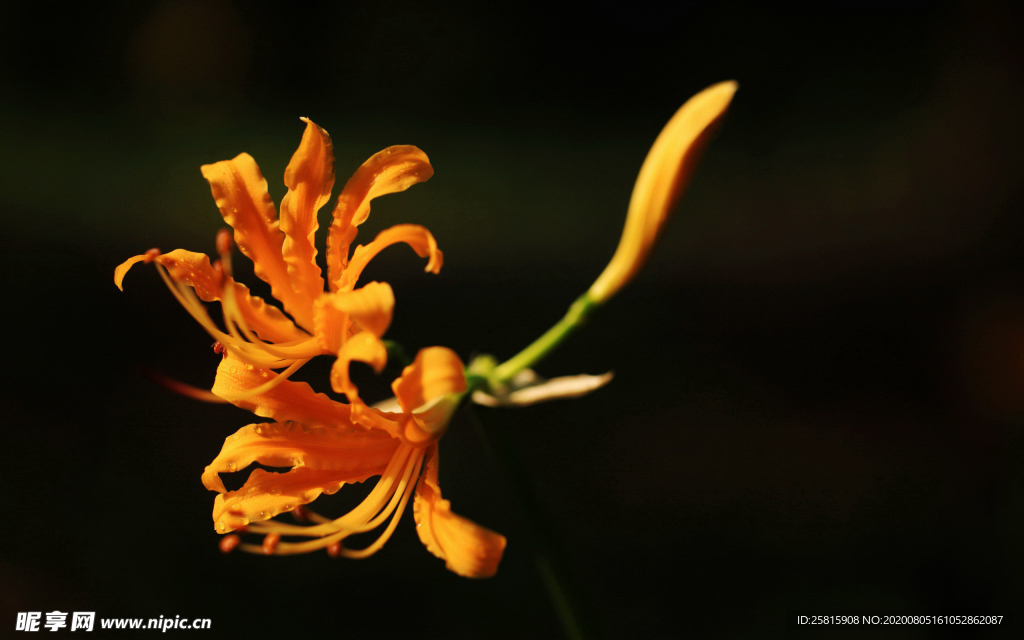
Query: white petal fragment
x=540 y=390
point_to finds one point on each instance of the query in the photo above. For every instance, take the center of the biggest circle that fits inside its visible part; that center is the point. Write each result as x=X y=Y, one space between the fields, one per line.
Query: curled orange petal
x=240 y=191
x=286 y=401
x=389 y=171
x=122 y=269
x=195 y=270
x=353 y=455
x=309 y=178
x=362 y=347
x=338 y=314
x=417 y=237
x=428 y=392
x=435 y=372
x=467 y=548
x=266 y=494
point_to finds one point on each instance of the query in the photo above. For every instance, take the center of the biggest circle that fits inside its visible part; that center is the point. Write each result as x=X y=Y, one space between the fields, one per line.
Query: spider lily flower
x=325 y=449
x=284 y=255
x=324 y=442
x=663 y=176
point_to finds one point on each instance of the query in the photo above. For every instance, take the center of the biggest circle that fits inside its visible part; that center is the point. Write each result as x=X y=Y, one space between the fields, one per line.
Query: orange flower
x=326 y=443
x=326 y=448
x=284 y=255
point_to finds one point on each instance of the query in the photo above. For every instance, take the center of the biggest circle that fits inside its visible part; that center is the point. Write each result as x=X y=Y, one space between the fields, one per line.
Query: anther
x=151 y=255
x=224 y=242
x=218 y=268
x=300 y=514
x=218 y=348
x=270 y=543
x=334 y=549
x=228 y=543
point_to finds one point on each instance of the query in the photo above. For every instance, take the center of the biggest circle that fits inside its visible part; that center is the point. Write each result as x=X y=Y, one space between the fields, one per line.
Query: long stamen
x=235 y=322
x=400 y=490
x=400 y=496
x=358 y=520
x=314 y=516
x=195 y=308
x=240 y=339
x=233 y=319
x=191 y=303
x=380 y=494
x=296 y=349
x=407 y=491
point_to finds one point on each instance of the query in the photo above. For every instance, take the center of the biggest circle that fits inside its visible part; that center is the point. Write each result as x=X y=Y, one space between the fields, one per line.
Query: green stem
x=576 y=316
x=549 y=557
x=398 y=357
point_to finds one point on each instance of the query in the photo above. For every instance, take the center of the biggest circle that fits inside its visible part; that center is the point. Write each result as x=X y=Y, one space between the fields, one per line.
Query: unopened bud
x=663 y=176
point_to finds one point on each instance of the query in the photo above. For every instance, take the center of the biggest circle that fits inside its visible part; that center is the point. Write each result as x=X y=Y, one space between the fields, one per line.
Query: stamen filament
x=397 y=497
x=357 y=554
x=233 y=317
x=380 y=494
x=195 y=308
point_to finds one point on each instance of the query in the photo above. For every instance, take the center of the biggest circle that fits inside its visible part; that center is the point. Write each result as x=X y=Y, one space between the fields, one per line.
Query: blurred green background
x=818 y=396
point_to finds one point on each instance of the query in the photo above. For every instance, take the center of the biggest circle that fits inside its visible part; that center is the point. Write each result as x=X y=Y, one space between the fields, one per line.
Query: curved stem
x=576 y=316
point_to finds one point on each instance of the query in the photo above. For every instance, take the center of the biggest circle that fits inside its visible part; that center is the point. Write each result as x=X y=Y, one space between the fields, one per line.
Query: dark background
x=818 y=396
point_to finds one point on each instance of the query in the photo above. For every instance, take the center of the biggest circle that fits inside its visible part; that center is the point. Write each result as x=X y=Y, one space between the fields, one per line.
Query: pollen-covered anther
x=224 y=242
x=151 y=255
x=300 y=514
x=270 y=543
x=218 y=348
x=334 y=549
x=218 y=270
x=229 y=542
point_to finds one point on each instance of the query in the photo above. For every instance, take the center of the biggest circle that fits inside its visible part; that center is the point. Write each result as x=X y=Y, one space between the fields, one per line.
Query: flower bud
x=663 y=176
